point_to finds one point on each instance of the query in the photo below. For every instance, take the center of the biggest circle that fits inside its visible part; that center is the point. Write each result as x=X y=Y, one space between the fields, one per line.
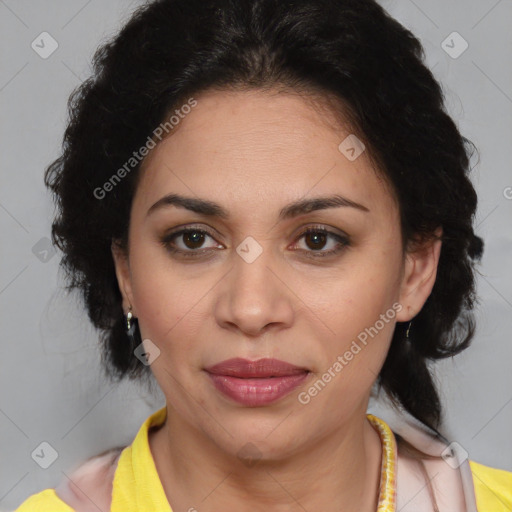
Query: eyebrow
x=294 y=209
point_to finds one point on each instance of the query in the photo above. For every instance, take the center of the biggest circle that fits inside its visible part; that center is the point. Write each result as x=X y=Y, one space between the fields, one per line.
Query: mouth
x=256 y=383
x=262 y=368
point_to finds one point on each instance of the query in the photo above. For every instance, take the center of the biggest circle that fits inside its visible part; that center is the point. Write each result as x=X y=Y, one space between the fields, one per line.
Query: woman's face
x=255 y=286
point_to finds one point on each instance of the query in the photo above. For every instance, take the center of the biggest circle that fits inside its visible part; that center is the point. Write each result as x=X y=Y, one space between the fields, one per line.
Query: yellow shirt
x=137 y=487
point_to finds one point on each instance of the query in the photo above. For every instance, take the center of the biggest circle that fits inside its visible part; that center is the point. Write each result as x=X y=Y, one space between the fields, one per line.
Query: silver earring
x=407 y=332
x=132 y=328
x=129 y=317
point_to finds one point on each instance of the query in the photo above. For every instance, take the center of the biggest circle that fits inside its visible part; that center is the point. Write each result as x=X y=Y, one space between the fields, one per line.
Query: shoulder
x=88 y=488
x=493 y=488
x=44 y=501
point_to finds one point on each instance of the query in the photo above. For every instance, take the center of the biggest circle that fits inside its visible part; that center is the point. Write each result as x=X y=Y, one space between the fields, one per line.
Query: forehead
x=257 y=148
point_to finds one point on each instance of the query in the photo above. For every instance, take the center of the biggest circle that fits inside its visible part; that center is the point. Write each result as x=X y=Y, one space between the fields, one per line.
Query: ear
x=419 y=276
x=122 y=267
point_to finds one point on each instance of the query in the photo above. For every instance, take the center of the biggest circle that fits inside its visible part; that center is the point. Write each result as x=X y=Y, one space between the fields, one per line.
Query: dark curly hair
x=351 y=51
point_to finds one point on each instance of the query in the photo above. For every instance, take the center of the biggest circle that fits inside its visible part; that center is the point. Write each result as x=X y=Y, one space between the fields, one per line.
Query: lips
x=256 y=383
x=262 y=368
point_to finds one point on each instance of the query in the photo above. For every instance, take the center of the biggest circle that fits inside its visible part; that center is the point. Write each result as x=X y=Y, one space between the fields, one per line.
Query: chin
x=262 y=439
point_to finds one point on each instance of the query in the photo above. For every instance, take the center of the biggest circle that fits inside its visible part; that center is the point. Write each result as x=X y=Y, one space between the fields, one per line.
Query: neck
x=339 y=472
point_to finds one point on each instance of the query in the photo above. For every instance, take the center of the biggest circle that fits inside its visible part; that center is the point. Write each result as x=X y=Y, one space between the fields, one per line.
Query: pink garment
x=449 y=478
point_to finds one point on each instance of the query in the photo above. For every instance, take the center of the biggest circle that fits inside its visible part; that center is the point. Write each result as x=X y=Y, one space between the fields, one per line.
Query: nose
x=254 y=296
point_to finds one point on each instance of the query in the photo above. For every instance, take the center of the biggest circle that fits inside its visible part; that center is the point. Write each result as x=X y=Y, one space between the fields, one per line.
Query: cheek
x=157 y=293
x=358 y=298
x=353 y=361
x=360 y=309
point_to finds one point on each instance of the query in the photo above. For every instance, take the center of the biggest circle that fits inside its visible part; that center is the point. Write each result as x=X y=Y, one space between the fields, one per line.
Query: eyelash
x=195 y=253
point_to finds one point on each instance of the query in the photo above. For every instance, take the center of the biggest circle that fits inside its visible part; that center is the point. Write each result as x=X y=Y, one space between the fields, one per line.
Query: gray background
x=50 y=385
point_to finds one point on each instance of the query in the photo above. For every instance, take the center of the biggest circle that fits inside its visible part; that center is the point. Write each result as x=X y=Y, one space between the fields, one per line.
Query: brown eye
x=193 y=239
x=316 y=239
x=188 y=242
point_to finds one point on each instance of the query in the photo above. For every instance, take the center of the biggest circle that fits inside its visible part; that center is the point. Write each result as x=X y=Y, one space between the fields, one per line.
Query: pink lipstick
x=256 y=383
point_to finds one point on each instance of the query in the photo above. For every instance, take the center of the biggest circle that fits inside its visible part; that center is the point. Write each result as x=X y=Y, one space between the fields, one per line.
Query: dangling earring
x=132 y=328
x=407 y=332
x=408 y=345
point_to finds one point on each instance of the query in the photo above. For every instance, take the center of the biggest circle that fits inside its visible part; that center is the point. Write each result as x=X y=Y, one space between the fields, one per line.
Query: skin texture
x=253 y=152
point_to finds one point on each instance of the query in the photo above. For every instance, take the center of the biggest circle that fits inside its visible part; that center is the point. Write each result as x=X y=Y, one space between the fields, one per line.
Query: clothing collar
x=136 y=480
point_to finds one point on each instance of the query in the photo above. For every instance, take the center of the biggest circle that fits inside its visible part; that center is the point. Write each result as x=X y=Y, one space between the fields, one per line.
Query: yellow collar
x=137 y=485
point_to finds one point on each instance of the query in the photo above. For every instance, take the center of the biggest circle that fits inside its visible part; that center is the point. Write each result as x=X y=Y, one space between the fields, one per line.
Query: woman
x=267 y=209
